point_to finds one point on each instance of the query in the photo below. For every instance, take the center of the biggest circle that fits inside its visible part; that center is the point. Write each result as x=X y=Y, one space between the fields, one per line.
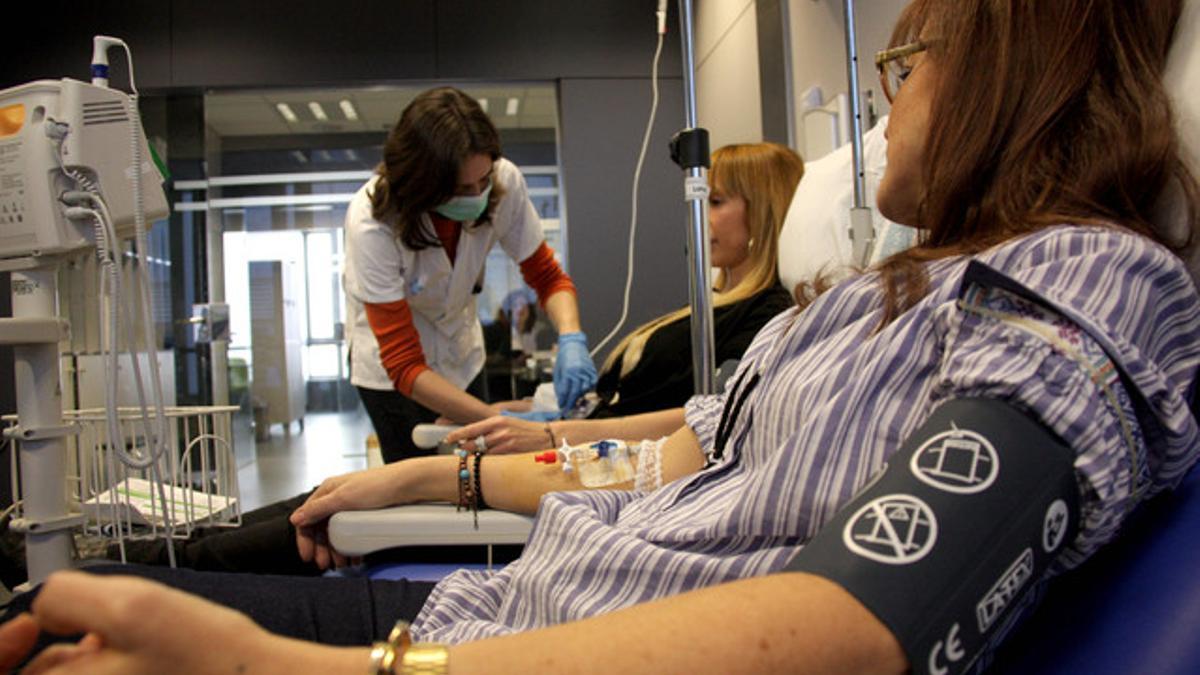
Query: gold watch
x=425 y=658
x=401 y=656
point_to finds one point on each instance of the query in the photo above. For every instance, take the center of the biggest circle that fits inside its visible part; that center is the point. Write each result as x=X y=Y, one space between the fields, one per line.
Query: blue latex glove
x=533 y=415
x=574 y=372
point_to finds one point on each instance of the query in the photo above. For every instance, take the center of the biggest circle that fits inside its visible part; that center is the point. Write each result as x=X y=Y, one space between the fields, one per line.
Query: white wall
x=728 y=99
x=817 y=36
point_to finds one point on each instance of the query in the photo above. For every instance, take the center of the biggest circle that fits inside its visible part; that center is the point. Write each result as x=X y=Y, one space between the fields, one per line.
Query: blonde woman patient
x=648 y=376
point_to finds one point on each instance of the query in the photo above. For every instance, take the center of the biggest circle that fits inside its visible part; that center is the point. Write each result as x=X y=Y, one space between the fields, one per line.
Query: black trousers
x=331 y=610
x=394 y=416
x=264 y=544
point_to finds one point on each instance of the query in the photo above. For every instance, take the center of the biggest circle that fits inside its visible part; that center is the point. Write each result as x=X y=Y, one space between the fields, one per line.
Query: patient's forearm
x=786 y=623
x=516 y=482
x=634 y=427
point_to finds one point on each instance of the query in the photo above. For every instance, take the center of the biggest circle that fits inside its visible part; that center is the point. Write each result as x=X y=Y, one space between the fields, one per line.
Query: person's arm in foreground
x=776 y=624
x=509 y=434
x=510 y=483
x=135 y=626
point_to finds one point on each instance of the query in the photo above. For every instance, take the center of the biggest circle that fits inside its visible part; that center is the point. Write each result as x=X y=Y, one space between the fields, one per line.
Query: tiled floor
x=298 y=459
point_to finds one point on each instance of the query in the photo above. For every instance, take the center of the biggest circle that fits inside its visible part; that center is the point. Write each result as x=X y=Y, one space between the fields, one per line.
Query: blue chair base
x=418 y=571
x=1133 y=608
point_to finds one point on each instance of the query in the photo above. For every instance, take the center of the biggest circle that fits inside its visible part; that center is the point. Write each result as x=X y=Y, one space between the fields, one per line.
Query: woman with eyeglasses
x=894 y=471
x=417 y=237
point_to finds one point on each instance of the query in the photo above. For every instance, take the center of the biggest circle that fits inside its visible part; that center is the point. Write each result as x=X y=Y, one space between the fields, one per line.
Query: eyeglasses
x=894 y=66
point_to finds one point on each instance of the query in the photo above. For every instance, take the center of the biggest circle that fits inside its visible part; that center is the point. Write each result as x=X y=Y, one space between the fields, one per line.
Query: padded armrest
x=361 y=532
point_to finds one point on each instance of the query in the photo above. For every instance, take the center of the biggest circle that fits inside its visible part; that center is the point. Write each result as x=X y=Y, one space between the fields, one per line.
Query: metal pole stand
x=34 y=332
x=689 y=149
x=862 y=230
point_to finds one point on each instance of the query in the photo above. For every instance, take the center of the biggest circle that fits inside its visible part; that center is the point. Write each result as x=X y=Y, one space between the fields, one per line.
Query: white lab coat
x=380 y=269
x=815 y=238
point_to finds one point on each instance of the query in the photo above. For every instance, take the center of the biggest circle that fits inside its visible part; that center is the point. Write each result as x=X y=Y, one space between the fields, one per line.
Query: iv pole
x=689 y=149
x=862 y=232
x=34 y=332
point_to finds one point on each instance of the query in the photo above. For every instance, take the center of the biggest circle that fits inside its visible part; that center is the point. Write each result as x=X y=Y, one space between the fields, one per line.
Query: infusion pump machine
x=58 y=136
x=75 y=172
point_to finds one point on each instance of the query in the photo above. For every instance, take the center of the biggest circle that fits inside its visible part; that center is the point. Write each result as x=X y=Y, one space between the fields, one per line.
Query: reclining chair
x=1133 y=608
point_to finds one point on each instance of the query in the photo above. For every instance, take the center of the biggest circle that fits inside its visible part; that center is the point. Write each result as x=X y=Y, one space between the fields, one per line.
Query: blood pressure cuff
x=948 y=545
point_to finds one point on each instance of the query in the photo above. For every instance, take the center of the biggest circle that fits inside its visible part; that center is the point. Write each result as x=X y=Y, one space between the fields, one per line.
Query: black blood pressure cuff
x=947 y=546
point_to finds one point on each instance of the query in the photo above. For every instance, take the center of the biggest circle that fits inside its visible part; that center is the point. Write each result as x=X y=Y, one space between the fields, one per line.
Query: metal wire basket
x=193 y=483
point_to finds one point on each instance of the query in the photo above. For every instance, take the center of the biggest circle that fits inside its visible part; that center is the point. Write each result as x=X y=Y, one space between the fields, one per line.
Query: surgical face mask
x=465 y=207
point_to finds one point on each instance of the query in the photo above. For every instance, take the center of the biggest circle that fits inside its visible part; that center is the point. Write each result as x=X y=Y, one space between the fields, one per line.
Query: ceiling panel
x=244 y=113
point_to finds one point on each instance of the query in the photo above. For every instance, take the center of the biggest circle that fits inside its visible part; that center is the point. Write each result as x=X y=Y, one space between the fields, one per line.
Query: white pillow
x=1182 y=80
x=816 y=231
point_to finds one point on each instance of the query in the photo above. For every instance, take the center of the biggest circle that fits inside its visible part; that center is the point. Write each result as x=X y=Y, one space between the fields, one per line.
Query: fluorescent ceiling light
x=511 y=109
x=483 y=104
x=314 y=208
x=299 y=157
x=348 y=109
x=323 y=156
x=286 y=110
x=317 y=111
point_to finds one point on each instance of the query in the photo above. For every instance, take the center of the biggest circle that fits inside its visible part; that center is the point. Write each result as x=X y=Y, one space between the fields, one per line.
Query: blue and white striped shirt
x=836 y=398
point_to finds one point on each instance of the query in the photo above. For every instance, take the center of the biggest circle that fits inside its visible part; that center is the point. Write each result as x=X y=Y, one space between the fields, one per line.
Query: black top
x=662 y=379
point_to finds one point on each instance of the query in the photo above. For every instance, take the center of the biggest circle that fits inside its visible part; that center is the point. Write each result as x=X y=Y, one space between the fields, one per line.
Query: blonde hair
x=765 y=175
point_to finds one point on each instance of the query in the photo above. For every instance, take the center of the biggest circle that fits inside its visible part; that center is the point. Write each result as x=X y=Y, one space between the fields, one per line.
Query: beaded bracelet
x=465 y=496
x=470 y=496
x=479 y=502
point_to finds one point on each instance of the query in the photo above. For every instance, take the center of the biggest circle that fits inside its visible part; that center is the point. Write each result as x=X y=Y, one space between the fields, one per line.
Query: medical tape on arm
x=649 y=468
x=947 y=546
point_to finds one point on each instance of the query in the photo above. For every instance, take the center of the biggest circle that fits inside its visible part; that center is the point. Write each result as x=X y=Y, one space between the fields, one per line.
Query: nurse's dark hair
x=1043 y=113
x=440 y=129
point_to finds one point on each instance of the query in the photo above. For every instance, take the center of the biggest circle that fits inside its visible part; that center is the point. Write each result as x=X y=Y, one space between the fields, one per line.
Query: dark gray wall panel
x=774 y=81
x=273 y=43
x=231 y=43
x=602 y=125
x=551 y=39
x=600 y=51
x=53 y=41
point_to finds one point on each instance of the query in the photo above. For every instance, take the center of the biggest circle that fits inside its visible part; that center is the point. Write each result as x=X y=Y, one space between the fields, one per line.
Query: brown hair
x=440 y=129
x=1044 y=113
x=765 y=175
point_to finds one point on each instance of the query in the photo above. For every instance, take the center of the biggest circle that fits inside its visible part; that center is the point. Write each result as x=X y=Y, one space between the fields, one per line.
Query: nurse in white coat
x=417 y=238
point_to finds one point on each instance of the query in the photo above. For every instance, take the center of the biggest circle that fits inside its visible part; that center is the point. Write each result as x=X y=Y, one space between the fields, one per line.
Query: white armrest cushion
x=361 y=532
